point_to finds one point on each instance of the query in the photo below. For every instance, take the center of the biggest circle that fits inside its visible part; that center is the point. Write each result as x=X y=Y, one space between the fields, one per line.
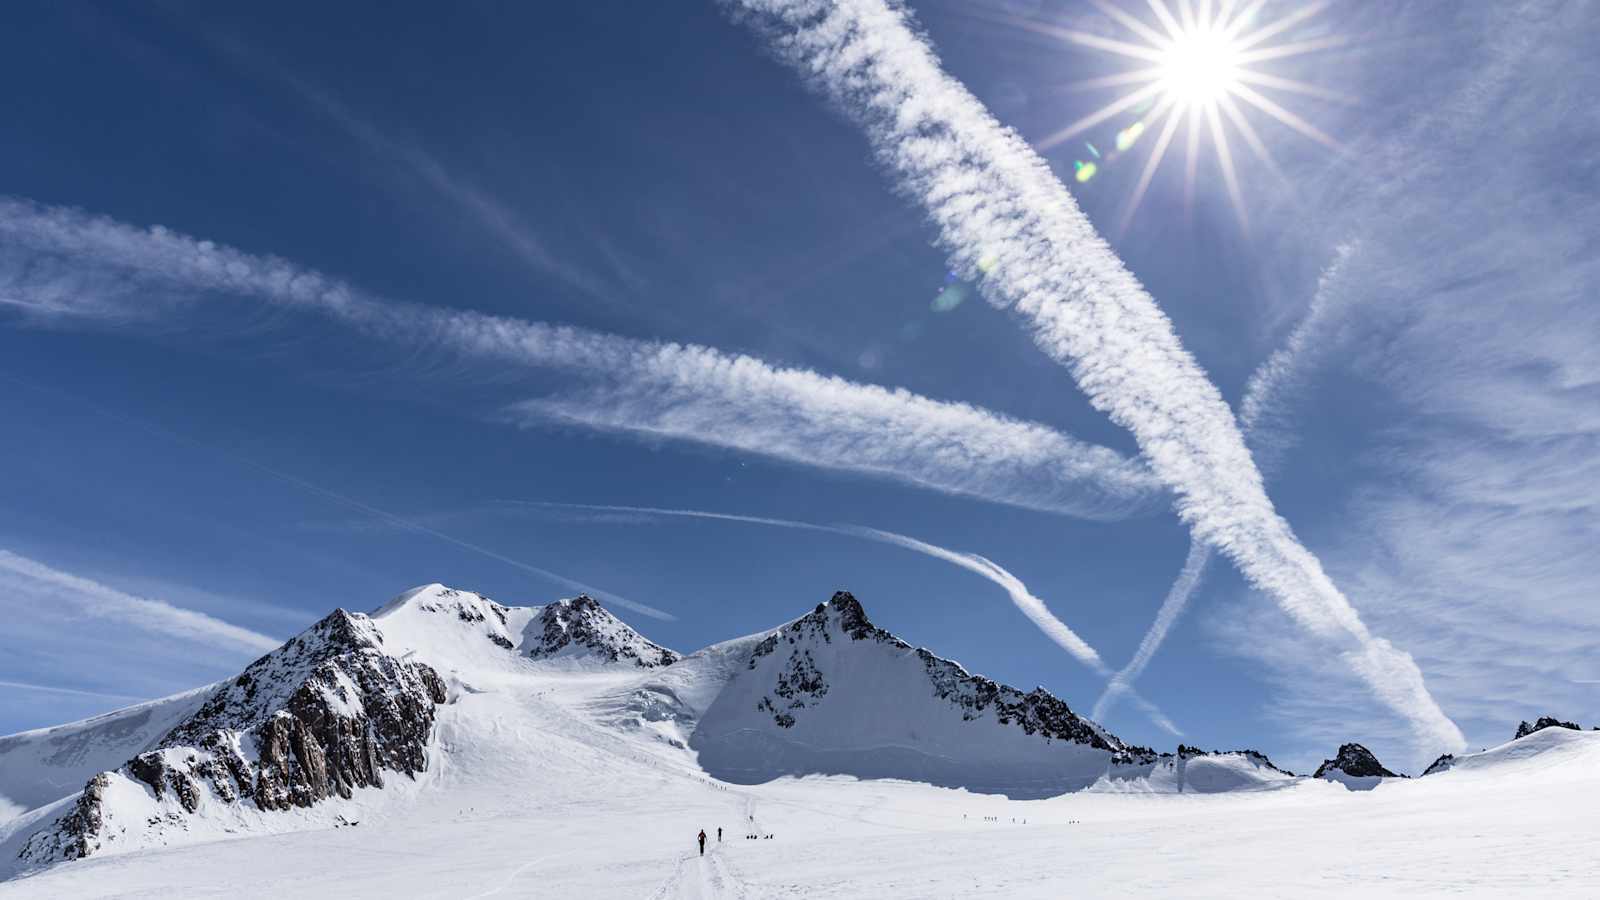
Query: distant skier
x=702 y=842
x=719 y=834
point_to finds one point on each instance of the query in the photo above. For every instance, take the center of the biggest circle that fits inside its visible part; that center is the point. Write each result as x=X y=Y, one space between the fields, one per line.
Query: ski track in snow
x=510 y=879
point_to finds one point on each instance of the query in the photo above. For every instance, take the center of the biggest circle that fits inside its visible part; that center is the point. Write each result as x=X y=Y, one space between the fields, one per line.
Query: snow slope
x=38 y=767
x=553 y=804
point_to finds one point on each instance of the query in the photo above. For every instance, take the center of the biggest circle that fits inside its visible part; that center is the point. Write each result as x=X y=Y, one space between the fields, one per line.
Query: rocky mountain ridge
x=1353 y=764
x=328 y=712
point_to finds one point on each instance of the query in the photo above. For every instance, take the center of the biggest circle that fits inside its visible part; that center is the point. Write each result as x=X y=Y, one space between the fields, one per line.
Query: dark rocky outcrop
x=1356 y=761
x=582 y=625
x=1443 y=764
x=1544 y=722
x=78 y=833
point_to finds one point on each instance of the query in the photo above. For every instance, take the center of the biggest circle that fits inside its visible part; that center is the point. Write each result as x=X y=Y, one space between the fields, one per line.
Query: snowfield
x=553 y=773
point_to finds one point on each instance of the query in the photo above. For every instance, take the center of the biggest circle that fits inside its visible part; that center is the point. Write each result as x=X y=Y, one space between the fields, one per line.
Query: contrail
x=419 y=528
x=1194 y=569
x=48 y=689
x=1030 y=605
x=68 y=266
x=151 y=615
x=329 y=494
x=1265 y=417
x=1008 y=223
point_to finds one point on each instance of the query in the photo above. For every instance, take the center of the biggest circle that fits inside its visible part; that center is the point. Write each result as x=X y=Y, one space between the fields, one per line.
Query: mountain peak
x=581 y=627
x=1355 y=761
x=1544 y=722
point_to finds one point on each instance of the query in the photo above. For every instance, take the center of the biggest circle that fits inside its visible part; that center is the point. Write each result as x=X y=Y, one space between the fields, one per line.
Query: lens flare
x=1200 y=70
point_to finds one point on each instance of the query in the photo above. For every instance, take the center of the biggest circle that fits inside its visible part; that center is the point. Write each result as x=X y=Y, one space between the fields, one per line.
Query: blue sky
x=220 y=444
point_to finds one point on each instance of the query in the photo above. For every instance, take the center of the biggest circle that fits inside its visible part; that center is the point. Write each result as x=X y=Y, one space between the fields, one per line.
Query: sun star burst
x=1201 y=71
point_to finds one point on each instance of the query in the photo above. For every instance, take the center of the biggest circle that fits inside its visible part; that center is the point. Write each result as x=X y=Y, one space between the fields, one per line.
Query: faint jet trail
x=1030 y=605
x=328 y=494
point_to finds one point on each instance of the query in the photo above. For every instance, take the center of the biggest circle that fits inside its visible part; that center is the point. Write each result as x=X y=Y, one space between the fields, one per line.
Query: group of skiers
x=703 y=840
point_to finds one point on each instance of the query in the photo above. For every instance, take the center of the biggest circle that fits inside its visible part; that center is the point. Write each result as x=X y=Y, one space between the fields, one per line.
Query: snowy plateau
x=449 y=746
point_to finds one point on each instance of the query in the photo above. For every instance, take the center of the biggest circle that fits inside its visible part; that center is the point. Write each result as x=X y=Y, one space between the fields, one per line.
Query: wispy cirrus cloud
x=373 y=514
x=1469 y=535
x=155 y=616
x=75 y=646
x=75 y=267
x=1010 y=224
x=1030 y=605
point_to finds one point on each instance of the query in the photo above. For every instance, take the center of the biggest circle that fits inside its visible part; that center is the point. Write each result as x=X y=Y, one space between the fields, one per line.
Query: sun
x=1200 y=69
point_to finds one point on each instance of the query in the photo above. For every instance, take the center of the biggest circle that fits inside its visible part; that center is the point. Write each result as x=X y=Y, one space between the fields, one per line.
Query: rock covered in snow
x=582 y=627
x=328 y=712
x=449 y=625
x=1254 y=756
x=1524 y=729
x=1355 y=761
x=830 y=692
x=1444 y=763
x=799 y=682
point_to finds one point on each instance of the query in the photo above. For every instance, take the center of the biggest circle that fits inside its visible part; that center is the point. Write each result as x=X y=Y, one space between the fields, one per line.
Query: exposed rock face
x=1443 y=764
x=77 y=834
x=1356 y=761
x=1544 y=722
x=580 y=626
x=326 y=713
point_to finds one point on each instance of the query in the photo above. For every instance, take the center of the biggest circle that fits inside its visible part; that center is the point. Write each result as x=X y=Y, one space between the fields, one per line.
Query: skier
x=719 y=834
x=702 y=842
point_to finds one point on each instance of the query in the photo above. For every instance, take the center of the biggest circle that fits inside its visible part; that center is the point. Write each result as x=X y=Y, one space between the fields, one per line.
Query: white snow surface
x=553 y=780
x=41 y=766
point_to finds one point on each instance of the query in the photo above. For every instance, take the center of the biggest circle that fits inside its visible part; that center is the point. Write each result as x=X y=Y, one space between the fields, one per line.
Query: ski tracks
x=697 y=877
x=510 y=879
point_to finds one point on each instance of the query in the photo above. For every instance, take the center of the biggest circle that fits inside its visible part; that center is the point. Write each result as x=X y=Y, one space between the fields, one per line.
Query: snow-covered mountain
x=329 y=711
x=1355 y=767
x=832 y=693
x=444 y=707
x=347 y=704
x=579 y=630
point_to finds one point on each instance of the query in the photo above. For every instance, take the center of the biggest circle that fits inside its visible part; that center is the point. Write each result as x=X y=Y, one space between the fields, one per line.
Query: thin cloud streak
x=1177 y=599
x=50 y=689
x=1030 y=605
x=75 y=267
x=384 y=516
x=149 y=615
x=1266 y=417
x=1009 y=224
x=409 y=525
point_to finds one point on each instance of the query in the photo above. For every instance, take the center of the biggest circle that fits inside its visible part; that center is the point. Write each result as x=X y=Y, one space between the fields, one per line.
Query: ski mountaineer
x=719 y=834
x=702 y=842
